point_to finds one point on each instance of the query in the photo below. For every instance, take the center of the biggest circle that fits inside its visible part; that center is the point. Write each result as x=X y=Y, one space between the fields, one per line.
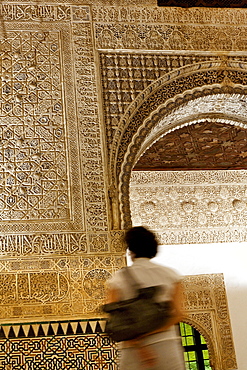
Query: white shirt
x=146 y=273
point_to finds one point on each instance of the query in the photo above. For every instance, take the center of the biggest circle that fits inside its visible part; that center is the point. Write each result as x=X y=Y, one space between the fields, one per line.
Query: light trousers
x=168 y=356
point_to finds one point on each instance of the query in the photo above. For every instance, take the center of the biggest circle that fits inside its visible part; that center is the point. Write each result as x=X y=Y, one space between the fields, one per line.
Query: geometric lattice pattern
x=83 y=347
x=33 y=174
x=80 y=352
x=126 y=75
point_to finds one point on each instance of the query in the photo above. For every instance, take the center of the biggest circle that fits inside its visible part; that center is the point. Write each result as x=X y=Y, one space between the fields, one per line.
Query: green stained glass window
x=196 y=353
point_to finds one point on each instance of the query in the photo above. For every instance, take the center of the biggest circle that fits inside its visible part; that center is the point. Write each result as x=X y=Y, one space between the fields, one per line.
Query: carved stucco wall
x=191 y=207
x=55 y=238
x=207 y=310
x=59 y=200
x=77 y=82
x=143 y=89
x=81 y=343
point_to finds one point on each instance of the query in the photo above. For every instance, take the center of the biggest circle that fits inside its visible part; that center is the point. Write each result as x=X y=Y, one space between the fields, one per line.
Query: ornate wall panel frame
x=46 y=73
x=54 y=218
x=38 y=132
x=207 y=308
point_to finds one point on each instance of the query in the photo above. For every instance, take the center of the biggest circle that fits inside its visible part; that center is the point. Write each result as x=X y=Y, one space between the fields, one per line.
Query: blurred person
x=160 y=349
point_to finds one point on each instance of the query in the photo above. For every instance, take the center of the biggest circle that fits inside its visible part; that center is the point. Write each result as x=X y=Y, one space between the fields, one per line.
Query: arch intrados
x=226 y=109
x=150 y=89
x=153 y=137
x=145 y=136
x=202 y=67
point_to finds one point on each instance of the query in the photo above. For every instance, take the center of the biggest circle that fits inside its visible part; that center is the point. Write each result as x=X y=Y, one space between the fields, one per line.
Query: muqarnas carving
x=194 y=207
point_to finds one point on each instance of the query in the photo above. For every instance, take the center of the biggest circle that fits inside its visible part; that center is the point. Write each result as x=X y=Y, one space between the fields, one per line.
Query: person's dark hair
x=141 y=241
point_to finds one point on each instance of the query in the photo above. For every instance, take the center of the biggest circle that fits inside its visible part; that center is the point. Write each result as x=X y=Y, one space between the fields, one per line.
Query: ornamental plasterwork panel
x=54 y=287
x=53 y=211
x=40 y=160
x=154 y=28
x=160 y=15
x=170 y=37
x=207 y=310
x=187 y=207
x=89 y=129
x=16 y=245
x=126 y=75
x=35 y=177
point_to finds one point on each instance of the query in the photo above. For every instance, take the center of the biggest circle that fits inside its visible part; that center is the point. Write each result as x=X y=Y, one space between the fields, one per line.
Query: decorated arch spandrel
x=160 y=100
x=206 y=310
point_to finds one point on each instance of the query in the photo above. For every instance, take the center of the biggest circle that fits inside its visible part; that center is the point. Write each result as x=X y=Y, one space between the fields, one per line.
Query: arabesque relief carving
x=34 y=180
x=40 y=160
x=145 y=15
x=43 y=244
x=59 y=241
x=191 y=207
x=127 y=75
x=33 y=287
x=169 y=37
x=89 y=130
x=207 y=310
x=56 y=287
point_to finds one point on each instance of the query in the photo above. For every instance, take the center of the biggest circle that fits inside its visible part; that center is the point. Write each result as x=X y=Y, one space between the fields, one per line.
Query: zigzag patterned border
x=52 y=328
